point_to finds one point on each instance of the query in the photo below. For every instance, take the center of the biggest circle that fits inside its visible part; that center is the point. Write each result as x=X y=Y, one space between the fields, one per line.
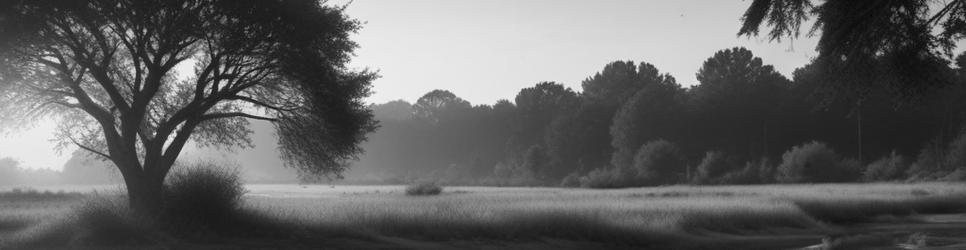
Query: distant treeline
x=632 y=125
x=81 y=169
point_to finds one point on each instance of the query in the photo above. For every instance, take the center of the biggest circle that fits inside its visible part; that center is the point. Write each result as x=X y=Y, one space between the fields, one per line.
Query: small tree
x=107 y=70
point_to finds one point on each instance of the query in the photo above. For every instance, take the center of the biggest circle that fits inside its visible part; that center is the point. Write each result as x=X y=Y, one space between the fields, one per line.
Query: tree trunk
x=144 y=192
x=144 y=196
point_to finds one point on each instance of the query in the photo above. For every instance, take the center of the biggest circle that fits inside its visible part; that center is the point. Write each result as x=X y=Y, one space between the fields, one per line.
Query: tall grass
x=532 y=213
x=671 y=217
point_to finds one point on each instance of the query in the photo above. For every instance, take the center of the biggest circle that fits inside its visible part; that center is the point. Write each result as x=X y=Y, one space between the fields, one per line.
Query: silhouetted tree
x=397 y=110
x=737 y=103
x=581 y=140
x=617 y=82
x=108 y=69
x=439 y=105
x=654 y=112
x=536 y=108
x=855 y=36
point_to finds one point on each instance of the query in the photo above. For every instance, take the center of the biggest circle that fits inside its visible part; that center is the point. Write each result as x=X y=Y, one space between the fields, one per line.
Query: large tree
x=109 y=71
x=737 y=102
x=653 y=113
x=901 y=44
x=537 y=106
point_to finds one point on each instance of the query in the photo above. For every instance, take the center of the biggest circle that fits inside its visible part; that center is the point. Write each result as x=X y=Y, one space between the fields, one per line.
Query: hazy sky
x=488 y=50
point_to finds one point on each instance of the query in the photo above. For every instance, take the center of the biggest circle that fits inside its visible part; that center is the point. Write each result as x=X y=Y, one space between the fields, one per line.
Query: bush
x=956 y=154
x=746 y=175
x=712 y=167
x=937 y=160
x=109 y=223
x=502 y=170
x=660 y=162
x=423 y=188
x=890 y=167
x=609 y=178
x=851 y=170
x=809 y=163
x=571 y=180
x=657 y=162
x=203 y=194
x=766 y=169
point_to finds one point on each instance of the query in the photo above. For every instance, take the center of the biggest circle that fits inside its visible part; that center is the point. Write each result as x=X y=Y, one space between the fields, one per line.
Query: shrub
x=713 y=166
x=597 y=178
x=660 y=162
x=890 y=167
x=502 y=170
x=746 y=175
x=766 y=170
x=571 y=180
x=956 y=154
x=957 y=175
x=811 y=162
x=851 y=170
x=608 y=178
x=937 y=160
x=107 y=222
x=203 y=194
x=423 y=188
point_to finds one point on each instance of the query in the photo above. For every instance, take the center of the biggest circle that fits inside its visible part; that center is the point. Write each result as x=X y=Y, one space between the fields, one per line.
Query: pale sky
x=488 y=50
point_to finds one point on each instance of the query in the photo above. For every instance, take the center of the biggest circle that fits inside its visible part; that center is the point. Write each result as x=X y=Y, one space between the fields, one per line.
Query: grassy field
x=851 y=216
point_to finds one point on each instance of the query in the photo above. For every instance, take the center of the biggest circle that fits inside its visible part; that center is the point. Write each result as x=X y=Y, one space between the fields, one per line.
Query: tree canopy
x=902 y=44
x=114 y=75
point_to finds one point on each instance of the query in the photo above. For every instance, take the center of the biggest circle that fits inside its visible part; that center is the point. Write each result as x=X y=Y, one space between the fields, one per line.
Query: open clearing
x=850 y=216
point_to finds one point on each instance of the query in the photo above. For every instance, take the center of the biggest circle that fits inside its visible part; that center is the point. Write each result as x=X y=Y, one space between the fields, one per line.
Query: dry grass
x=625 y=215
x=673 y=216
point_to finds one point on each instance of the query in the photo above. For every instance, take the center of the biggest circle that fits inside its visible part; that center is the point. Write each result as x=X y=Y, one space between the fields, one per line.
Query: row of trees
x=81 y=169
x=632 y=116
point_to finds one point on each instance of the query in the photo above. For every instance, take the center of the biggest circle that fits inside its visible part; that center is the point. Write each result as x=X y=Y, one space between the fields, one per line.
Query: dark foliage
x=713 y=167
x=203 y=196
x=887 y=168
x=278 y=61
x=742 y=108
x=811 y=163
x=862 y=44
x=660 y=162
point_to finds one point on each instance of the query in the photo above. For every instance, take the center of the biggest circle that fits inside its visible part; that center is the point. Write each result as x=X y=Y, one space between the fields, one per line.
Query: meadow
x=846 y=216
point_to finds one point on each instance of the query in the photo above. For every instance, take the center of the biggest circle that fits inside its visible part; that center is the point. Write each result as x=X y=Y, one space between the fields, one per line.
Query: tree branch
x=260 y=103
x=89 y=149
x=235 y=114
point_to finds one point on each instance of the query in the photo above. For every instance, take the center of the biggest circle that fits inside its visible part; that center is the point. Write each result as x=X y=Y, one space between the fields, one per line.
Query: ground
x=846 y=216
